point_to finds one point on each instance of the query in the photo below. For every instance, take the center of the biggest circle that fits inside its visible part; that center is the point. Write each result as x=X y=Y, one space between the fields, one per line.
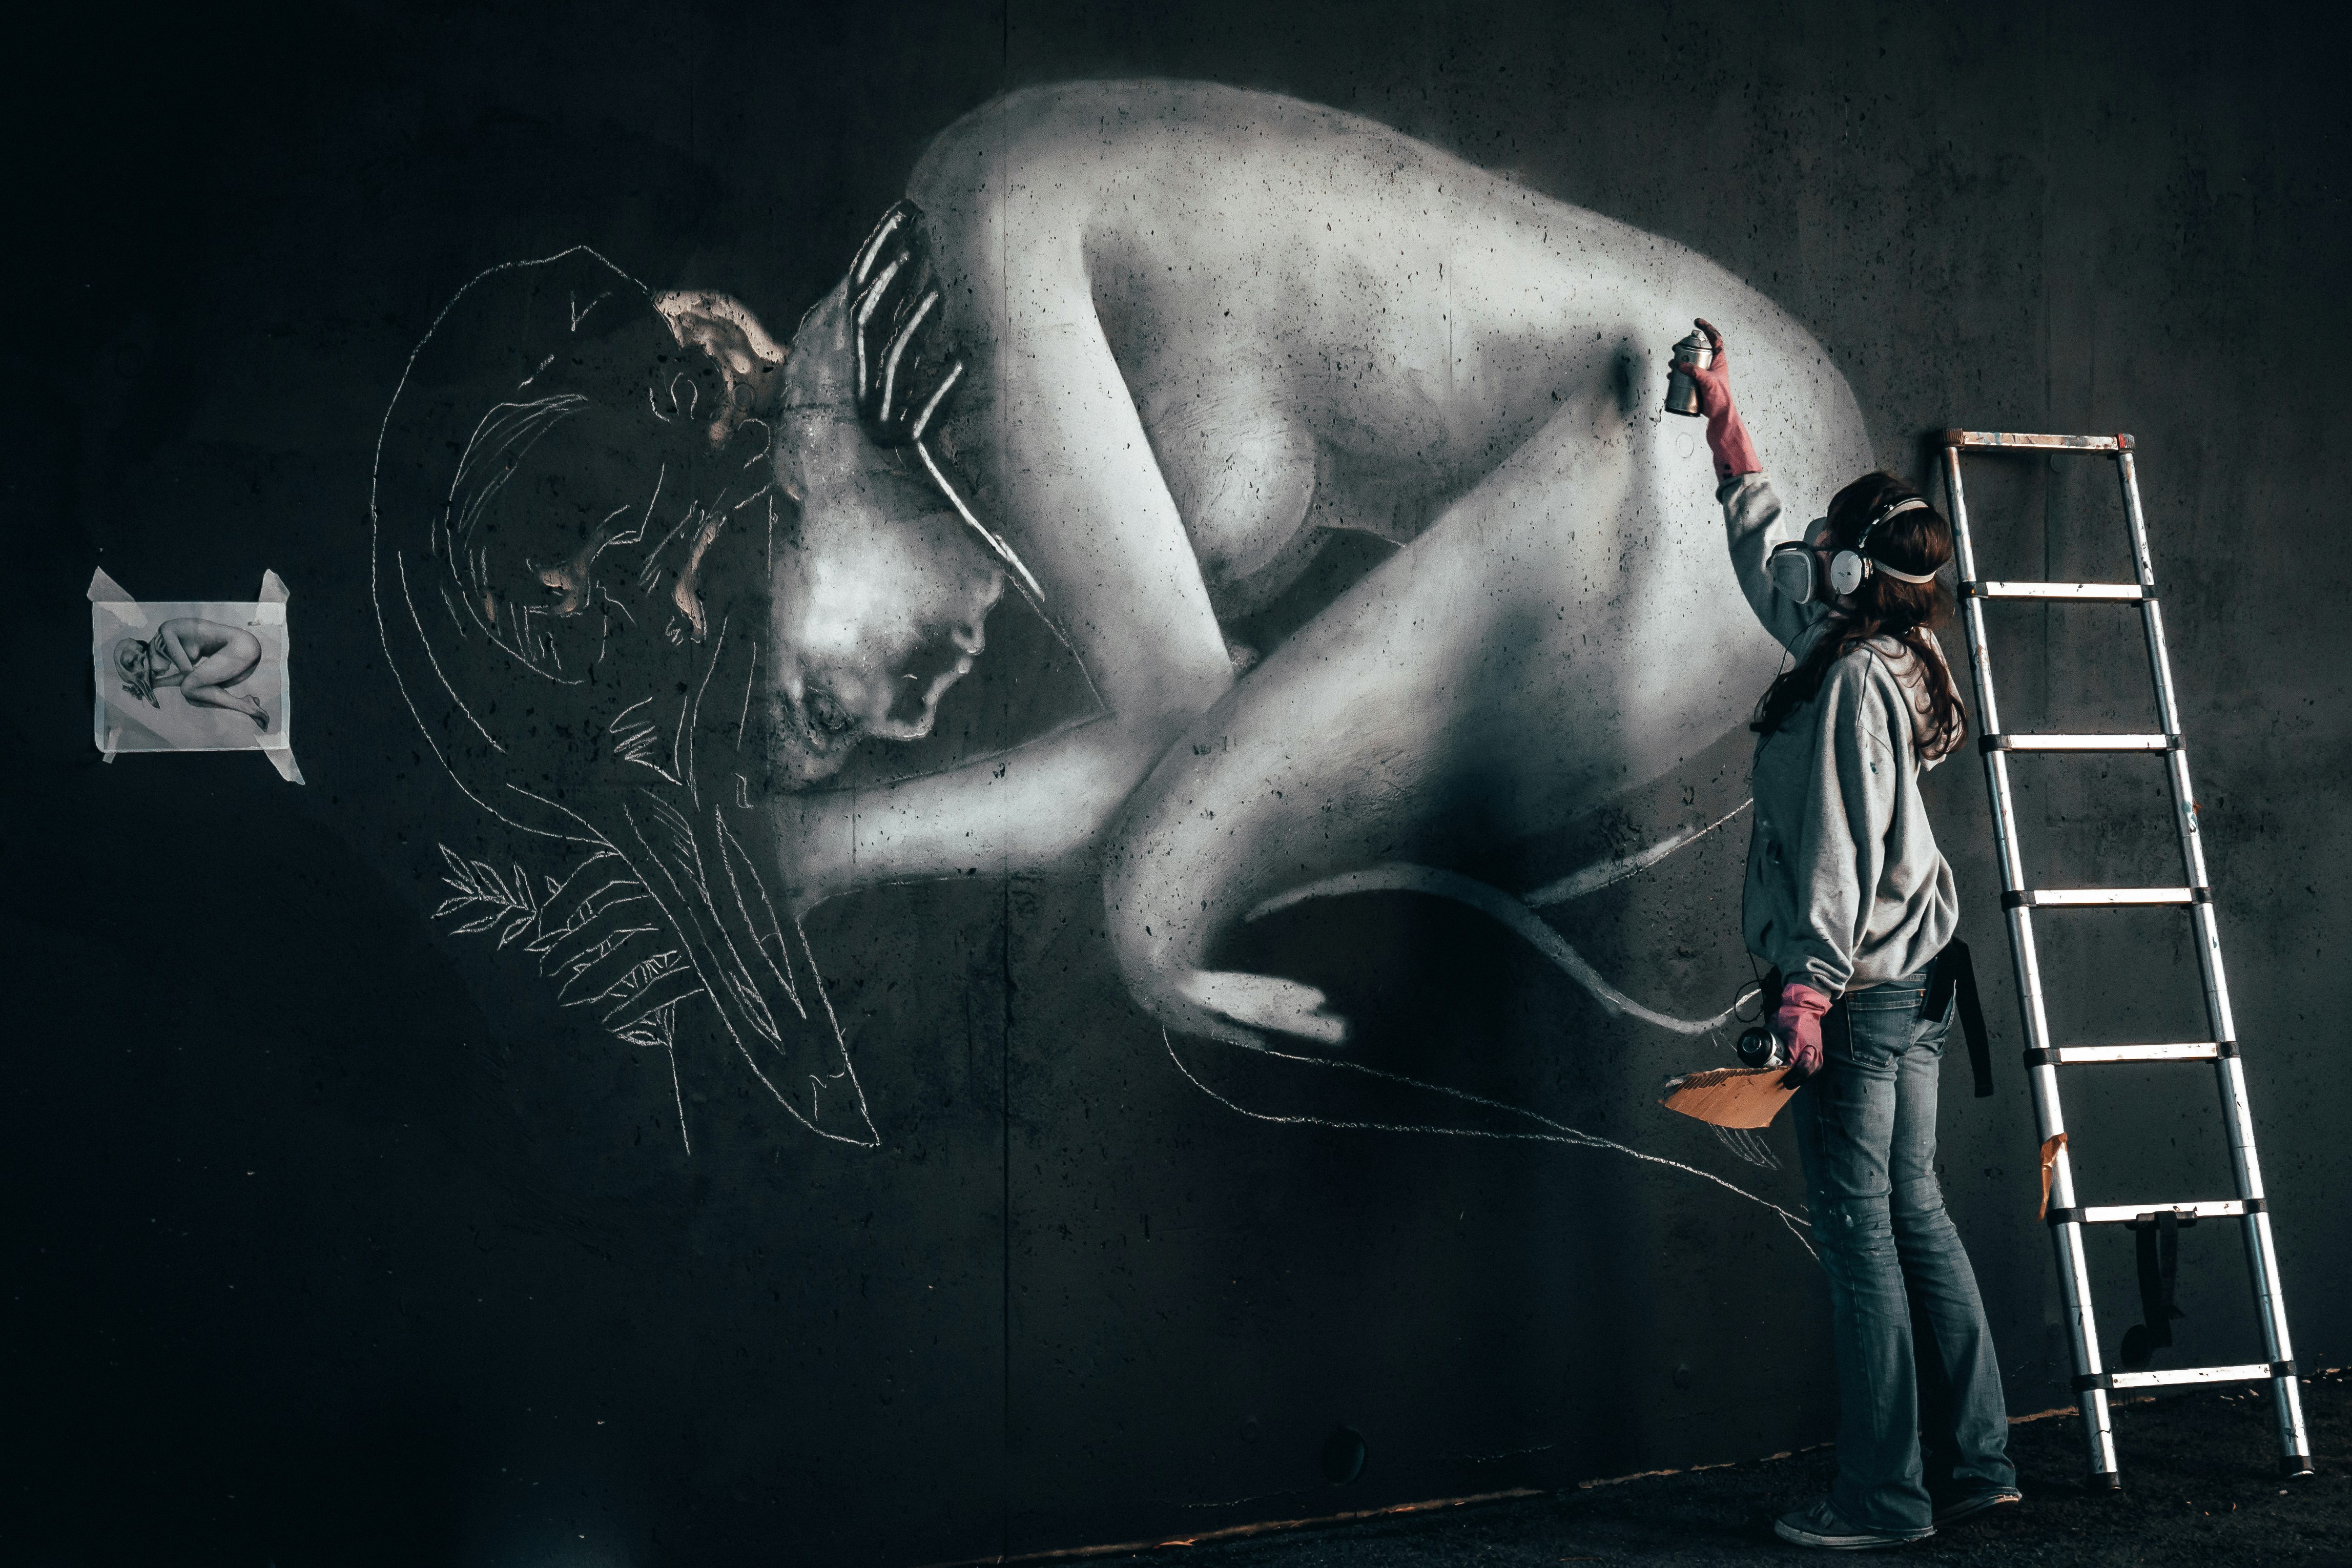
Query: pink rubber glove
x=1798 y=1022
x=1727 y=433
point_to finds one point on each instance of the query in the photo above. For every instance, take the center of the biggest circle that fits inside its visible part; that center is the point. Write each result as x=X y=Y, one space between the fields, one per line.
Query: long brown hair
x=1918 y=541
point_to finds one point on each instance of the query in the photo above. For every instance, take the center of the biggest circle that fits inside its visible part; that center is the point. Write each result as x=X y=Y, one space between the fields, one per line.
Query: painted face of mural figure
x=880 y=600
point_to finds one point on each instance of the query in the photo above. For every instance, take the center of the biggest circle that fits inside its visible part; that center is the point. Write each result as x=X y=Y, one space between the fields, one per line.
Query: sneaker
x=1976 y=1503
x=1821 y=1525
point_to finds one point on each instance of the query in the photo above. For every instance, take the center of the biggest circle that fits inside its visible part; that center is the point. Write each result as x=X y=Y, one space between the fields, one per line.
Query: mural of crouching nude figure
x=1129 y=358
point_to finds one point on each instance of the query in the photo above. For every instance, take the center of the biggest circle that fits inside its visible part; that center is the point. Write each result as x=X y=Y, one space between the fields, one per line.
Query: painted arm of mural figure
x=881 y=602
x=1127 y=594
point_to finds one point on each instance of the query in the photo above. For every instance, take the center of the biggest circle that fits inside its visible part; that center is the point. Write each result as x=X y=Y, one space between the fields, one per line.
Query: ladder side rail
x=2237 y=1113
x=2065 y=1237
x=2262 y=1268
x=2287 y=1395
x=2184 y=795
x=1972 y=618
x=2238 y=1121
x=2074 y=1269
x=2022 y=950
x=2090 y=1377
x=2261 y=1256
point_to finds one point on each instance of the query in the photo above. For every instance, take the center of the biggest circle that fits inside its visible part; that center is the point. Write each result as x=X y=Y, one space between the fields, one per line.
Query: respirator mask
x=1795 y=568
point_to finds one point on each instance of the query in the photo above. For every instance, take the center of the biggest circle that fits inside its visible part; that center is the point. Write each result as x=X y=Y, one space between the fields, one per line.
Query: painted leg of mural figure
x=1505 y=671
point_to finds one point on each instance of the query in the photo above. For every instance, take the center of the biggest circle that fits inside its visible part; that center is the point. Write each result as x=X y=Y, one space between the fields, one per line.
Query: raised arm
x=1754 y=522
x=1755 y=525
x=1728 y=439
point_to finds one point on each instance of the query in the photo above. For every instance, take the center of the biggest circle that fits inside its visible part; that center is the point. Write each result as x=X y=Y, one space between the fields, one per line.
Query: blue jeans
x=1920 y=1410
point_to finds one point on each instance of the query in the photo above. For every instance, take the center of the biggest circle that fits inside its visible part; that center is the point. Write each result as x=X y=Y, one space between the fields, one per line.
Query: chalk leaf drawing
x=601 y=938
x=485 y=900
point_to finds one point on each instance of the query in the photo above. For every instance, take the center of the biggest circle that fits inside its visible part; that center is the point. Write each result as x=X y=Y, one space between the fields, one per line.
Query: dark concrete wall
x=339 y=1245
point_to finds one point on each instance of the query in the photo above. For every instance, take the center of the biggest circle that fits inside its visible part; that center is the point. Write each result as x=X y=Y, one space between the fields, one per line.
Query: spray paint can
x=1682 y=392
x=1758 y=1047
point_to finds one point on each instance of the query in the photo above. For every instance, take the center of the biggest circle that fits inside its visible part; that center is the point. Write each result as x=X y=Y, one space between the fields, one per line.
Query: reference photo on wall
x=185 y=676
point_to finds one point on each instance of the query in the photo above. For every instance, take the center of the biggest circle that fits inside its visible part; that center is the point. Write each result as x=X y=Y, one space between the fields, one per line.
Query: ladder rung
x=2252 y=1372
x=2117 y=593
x=2076 y=1056
x=2102 y=897
x=2078 y=742
x=2124 y=1213
x=1987 y=440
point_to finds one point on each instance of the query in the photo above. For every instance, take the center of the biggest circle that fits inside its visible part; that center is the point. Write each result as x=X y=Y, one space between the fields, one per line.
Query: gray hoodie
x=1846 y=886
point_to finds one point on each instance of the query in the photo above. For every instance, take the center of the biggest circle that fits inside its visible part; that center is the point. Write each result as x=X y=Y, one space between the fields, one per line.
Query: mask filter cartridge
x=1792 y=570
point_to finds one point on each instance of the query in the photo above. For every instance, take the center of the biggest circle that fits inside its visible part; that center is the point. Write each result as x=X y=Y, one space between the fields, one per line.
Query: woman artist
x=1851 y=902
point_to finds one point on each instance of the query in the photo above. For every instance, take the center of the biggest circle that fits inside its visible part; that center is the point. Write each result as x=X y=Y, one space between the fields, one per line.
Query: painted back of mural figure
x=650 y=578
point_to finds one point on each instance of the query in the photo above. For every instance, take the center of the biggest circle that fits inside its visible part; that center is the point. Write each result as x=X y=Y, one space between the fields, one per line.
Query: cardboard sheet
x=1730 y=1097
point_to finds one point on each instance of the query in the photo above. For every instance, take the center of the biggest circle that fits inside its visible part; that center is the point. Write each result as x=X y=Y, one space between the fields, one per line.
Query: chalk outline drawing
x=642 y=999
x=1554 y=1131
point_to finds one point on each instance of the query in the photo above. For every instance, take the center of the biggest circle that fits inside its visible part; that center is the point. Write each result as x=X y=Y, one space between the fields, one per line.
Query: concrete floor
x=2200 y=1486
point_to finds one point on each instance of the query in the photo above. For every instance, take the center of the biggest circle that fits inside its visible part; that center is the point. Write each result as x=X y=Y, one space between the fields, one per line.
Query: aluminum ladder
x=2066 y=1218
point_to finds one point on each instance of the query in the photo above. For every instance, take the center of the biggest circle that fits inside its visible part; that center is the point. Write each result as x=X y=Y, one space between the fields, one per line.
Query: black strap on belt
x=2159 y=1244
x=1956 y=974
